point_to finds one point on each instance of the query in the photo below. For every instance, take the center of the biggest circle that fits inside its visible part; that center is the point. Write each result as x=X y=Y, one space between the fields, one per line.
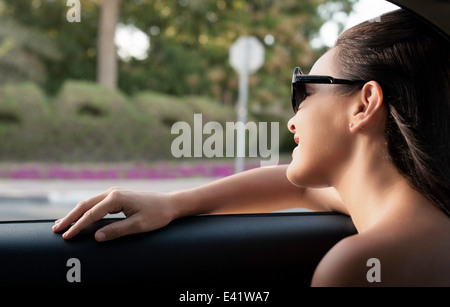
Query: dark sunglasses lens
x=298 y=95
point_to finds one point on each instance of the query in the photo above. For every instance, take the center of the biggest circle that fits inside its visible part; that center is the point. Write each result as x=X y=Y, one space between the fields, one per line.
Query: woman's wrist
x=182 y=204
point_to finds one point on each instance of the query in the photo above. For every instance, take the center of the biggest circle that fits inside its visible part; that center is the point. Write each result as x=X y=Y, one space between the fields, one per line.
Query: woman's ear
x=369 y=108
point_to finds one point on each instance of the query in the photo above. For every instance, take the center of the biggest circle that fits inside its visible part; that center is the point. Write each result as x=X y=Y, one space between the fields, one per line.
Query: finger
x=117 y=229
x=92 y=215
x=78 y=211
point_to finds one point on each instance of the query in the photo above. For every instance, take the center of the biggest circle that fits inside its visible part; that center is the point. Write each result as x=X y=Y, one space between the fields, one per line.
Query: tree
x=75 y=41
x=106 y=48
x=190 y=43
x=23 y=51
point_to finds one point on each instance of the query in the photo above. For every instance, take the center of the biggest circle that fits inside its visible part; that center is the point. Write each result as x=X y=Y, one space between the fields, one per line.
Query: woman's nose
x=291 y=125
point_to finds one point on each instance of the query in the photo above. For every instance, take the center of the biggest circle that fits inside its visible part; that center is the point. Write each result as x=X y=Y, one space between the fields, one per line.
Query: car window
x=146 y=94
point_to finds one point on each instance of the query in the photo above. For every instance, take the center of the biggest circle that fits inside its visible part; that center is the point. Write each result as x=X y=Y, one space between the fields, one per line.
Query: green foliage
x=210 y=109
x=86 y=122
x=96 y=123
x=78 y=121
x=24 y=122
x=75 y=42
x=163 y=107
x=189 y=41
x=164 y=110
x=171 y=109
x=23 y=52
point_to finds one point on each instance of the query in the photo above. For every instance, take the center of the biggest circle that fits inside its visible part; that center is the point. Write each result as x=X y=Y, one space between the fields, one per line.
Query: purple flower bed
x=163 y=170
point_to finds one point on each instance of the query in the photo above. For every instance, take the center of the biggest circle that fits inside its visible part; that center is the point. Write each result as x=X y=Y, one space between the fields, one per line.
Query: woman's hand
x=144 y=211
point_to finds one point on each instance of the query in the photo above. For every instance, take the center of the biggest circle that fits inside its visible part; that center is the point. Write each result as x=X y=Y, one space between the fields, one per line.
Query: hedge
x=97 y=123
x=25 y=118
x=90 y=123
x=86 y=122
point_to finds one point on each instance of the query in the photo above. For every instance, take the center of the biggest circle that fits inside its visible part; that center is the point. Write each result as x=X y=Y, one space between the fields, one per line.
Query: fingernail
x=56 y=226
x=100 y=236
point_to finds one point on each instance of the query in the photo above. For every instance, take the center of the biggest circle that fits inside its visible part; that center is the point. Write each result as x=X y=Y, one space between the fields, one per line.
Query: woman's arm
x=254 y=191
x=258 y=190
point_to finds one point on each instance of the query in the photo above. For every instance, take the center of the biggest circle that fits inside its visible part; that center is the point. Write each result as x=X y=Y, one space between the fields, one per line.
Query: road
x=52 y=199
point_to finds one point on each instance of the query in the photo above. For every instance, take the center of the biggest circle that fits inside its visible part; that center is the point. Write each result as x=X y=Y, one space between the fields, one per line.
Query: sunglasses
x=298 y=87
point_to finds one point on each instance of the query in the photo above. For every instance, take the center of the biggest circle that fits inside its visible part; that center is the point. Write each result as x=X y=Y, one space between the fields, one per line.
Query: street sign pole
x=246 y=57
x=242 y=110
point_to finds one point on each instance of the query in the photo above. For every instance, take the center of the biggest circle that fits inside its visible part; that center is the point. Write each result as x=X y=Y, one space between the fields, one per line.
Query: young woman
x=373 y=133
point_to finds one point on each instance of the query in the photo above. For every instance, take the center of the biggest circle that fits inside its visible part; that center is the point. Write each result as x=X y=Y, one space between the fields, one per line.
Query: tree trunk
x=106 y=48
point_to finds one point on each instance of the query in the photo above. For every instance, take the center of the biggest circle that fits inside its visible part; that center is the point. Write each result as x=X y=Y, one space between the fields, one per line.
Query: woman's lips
x=297 y=141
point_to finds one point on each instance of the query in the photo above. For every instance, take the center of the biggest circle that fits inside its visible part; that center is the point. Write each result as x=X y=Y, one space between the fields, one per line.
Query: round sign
x=247 y=54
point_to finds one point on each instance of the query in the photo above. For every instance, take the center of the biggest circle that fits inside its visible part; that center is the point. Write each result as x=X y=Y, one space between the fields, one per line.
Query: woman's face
x=321 y=130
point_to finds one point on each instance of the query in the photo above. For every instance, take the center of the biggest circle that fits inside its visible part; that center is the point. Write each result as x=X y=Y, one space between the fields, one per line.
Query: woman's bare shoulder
x=344 y=265
x=386 y=259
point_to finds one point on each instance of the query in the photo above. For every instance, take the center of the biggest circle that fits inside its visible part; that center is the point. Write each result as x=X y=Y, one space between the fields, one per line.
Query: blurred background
x=94 y=99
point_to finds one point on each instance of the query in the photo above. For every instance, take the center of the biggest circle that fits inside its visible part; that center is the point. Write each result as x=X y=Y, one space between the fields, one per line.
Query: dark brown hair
x=410 y=61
